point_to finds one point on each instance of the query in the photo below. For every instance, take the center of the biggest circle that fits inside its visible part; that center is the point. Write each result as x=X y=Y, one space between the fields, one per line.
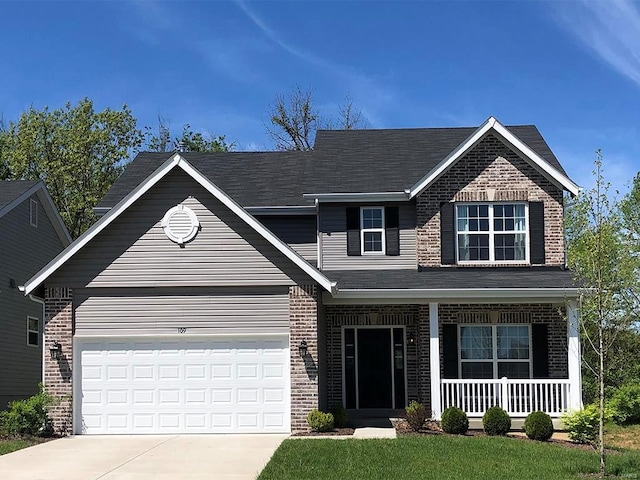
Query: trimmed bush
x=29 y=416
x=320 y=421
x=416 y=415
x=496 y=421
x=339 y=415
x=538 y=426
x=624 y=405
x=582 y=425
x=454 y=420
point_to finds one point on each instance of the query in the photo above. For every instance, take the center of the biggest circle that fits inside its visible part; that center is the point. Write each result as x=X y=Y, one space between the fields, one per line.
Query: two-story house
x=31 y=234
x=234 y=292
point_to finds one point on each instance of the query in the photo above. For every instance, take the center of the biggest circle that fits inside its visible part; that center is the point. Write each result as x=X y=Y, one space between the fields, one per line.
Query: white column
x=434 y=361
x=574 y=356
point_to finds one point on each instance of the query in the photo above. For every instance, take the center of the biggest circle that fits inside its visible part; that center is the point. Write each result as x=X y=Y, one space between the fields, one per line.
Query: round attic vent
x=180 y=224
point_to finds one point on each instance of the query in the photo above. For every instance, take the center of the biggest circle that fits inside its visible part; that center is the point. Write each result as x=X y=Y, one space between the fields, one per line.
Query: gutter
x=359 y=197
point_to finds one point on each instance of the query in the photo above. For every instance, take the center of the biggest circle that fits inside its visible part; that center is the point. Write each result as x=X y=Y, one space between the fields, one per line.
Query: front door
x=374 y=367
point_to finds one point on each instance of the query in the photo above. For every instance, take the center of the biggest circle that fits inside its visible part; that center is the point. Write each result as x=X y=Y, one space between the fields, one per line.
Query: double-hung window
x=372 y=230
x=495 y=351
x=33 y=331
x=492 y=232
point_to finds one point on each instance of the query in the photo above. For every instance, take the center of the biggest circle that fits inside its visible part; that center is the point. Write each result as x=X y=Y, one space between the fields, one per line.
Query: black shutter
x=536 y=232
x=447 y=234
x=392 y=230
x=450 y=350
x=540 y=347
x=353 y=231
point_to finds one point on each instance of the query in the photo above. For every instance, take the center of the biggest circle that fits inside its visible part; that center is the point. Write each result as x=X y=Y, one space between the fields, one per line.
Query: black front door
x=375 y=381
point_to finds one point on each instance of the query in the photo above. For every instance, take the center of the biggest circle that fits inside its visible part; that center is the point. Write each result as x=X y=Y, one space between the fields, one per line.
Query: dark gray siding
x=158 y=311
x=298 y=231
x=333 y=221
x=134 y=251
x=25 y=250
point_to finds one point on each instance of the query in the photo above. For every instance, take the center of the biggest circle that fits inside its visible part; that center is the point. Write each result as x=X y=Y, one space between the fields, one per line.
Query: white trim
x=29 y=330
x=380 y=230
x=358 y=197
x=434 y=361
x=492 y=125
x=33 y=212
x=176 y=160
x=167 y=227
x=300 y=210
x=574 y=356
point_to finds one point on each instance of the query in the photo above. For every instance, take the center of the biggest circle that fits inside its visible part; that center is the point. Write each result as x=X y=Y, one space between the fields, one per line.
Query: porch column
x=574 y=356
x=434 y=361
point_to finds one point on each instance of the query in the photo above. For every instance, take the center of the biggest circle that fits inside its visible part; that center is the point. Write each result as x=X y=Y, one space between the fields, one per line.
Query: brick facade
x=303 y=322
x=58 y=373
x=489 y=172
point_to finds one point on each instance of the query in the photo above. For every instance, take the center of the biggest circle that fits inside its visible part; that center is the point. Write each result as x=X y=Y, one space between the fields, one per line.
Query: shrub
x=496 y=421
x=320 y=421
x=582 y=425
x=454 y=420
x=29 y=416
x=339 y=415
x=416 y=415
x=538 y=426
x=624 y=405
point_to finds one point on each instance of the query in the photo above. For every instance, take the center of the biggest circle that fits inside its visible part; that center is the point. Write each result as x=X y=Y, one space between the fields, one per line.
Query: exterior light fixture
x=303 y=348
x=412 y=338
x=56 y=351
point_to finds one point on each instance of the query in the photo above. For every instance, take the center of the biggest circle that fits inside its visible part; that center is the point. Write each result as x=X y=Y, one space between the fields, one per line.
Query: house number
x=182 y=330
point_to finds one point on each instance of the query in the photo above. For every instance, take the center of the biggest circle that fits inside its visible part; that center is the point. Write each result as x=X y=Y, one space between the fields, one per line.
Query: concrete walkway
x=137 y=457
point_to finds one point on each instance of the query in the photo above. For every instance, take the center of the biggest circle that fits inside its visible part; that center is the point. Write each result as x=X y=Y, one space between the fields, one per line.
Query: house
x=31 y=234
x=234 y=292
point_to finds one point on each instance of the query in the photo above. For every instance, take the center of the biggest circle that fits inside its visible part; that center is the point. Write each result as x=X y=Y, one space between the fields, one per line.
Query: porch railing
x=517 y=396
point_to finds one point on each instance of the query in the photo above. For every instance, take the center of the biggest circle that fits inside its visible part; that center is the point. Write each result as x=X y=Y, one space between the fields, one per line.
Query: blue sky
x=570 y=67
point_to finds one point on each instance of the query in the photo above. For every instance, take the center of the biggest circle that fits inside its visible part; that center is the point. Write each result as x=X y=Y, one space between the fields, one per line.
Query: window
x=495 y=351
x=372 y=230
x=33 y=331
x=492 y=232
x=33 y=212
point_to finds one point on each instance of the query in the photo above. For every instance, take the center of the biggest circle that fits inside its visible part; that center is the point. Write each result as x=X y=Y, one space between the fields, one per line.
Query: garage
x=182 y=384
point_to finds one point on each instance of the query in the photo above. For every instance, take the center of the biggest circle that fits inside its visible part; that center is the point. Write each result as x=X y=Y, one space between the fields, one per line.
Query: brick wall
x=58 y=373
x=489 y=172
x=303 y=320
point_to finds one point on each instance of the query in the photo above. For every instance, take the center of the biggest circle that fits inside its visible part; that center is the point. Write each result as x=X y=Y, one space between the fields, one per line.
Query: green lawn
x=11 y=445
x=438 y=457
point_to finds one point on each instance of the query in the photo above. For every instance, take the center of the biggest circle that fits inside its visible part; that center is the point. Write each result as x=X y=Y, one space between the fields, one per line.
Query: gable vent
x=180 y=224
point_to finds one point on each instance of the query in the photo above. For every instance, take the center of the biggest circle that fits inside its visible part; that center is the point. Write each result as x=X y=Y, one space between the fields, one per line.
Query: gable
x=135 y=252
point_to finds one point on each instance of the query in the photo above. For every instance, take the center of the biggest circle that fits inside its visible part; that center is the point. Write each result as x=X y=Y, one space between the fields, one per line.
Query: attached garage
x=190 y=384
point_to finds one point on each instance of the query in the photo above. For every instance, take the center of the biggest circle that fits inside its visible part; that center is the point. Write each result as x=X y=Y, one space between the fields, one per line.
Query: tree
x=294 y=120
x=76 y=151
x=189 y=141
x=606 y=269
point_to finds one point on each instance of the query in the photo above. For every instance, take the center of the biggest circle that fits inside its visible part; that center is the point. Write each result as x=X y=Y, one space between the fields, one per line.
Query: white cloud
x=610 y=28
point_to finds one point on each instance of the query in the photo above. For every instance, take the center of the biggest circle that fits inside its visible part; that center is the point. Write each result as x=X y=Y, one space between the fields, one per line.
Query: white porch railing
x=517 y=396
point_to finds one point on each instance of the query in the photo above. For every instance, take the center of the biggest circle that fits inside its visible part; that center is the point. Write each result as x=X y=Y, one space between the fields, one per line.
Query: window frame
x=380 y=230
x=33 y=212
x=494 y=348
x=492 y=233
x=30 y=330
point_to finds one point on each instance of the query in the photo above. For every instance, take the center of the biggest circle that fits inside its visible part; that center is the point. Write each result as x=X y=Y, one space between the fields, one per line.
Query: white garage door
x=183 y=385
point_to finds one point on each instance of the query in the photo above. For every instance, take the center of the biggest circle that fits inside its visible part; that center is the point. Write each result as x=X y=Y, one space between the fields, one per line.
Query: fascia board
x=461 y=293
x=358 y=197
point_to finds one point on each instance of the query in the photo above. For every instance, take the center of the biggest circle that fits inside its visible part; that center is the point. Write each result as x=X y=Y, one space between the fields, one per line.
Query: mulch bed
x=345 y=431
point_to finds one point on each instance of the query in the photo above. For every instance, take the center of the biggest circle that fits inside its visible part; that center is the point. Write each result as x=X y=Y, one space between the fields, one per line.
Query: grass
x=622 y=437
x=11 y=445
x=439 y=457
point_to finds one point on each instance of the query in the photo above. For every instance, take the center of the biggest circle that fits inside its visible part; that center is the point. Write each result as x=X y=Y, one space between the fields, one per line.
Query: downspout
x=41 y=302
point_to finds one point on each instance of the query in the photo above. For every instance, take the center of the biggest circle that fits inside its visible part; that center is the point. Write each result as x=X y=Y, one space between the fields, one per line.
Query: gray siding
x=134 y=251
x=298 y=231
x=100 y=312
x=333 y=222
x=25 y=250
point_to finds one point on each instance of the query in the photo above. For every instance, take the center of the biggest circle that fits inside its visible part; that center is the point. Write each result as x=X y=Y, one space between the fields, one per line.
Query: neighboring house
x=234 y=292
x=31 y=234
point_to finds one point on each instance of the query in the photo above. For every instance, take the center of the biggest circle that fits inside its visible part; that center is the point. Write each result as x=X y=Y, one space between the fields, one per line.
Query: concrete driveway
x=137 y=457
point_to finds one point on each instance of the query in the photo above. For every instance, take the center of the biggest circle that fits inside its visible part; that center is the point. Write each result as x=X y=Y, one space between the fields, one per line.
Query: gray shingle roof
x=12 y=189
x=454 y=278
x=344 y=161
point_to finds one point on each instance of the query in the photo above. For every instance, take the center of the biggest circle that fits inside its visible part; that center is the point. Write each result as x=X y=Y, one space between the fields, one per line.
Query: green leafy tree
x=189 y=141
x=77 y=151
x=606 y=269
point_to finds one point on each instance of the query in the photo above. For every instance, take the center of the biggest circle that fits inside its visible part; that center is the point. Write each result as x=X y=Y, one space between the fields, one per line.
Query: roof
x=343 y=161
x=12 y=189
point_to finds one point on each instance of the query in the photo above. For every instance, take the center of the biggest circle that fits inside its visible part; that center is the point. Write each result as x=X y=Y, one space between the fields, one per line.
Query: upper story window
x=492 y=232
x=33 y=331
x=372 y=230
x=33 y=212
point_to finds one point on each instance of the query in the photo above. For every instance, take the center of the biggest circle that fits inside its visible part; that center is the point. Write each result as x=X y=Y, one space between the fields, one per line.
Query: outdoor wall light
x=56 y=351
x=303 y=348
x=412 y=338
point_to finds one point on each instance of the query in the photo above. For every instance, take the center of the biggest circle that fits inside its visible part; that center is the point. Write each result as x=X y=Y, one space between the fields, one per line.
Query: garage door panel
x=206 y=385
